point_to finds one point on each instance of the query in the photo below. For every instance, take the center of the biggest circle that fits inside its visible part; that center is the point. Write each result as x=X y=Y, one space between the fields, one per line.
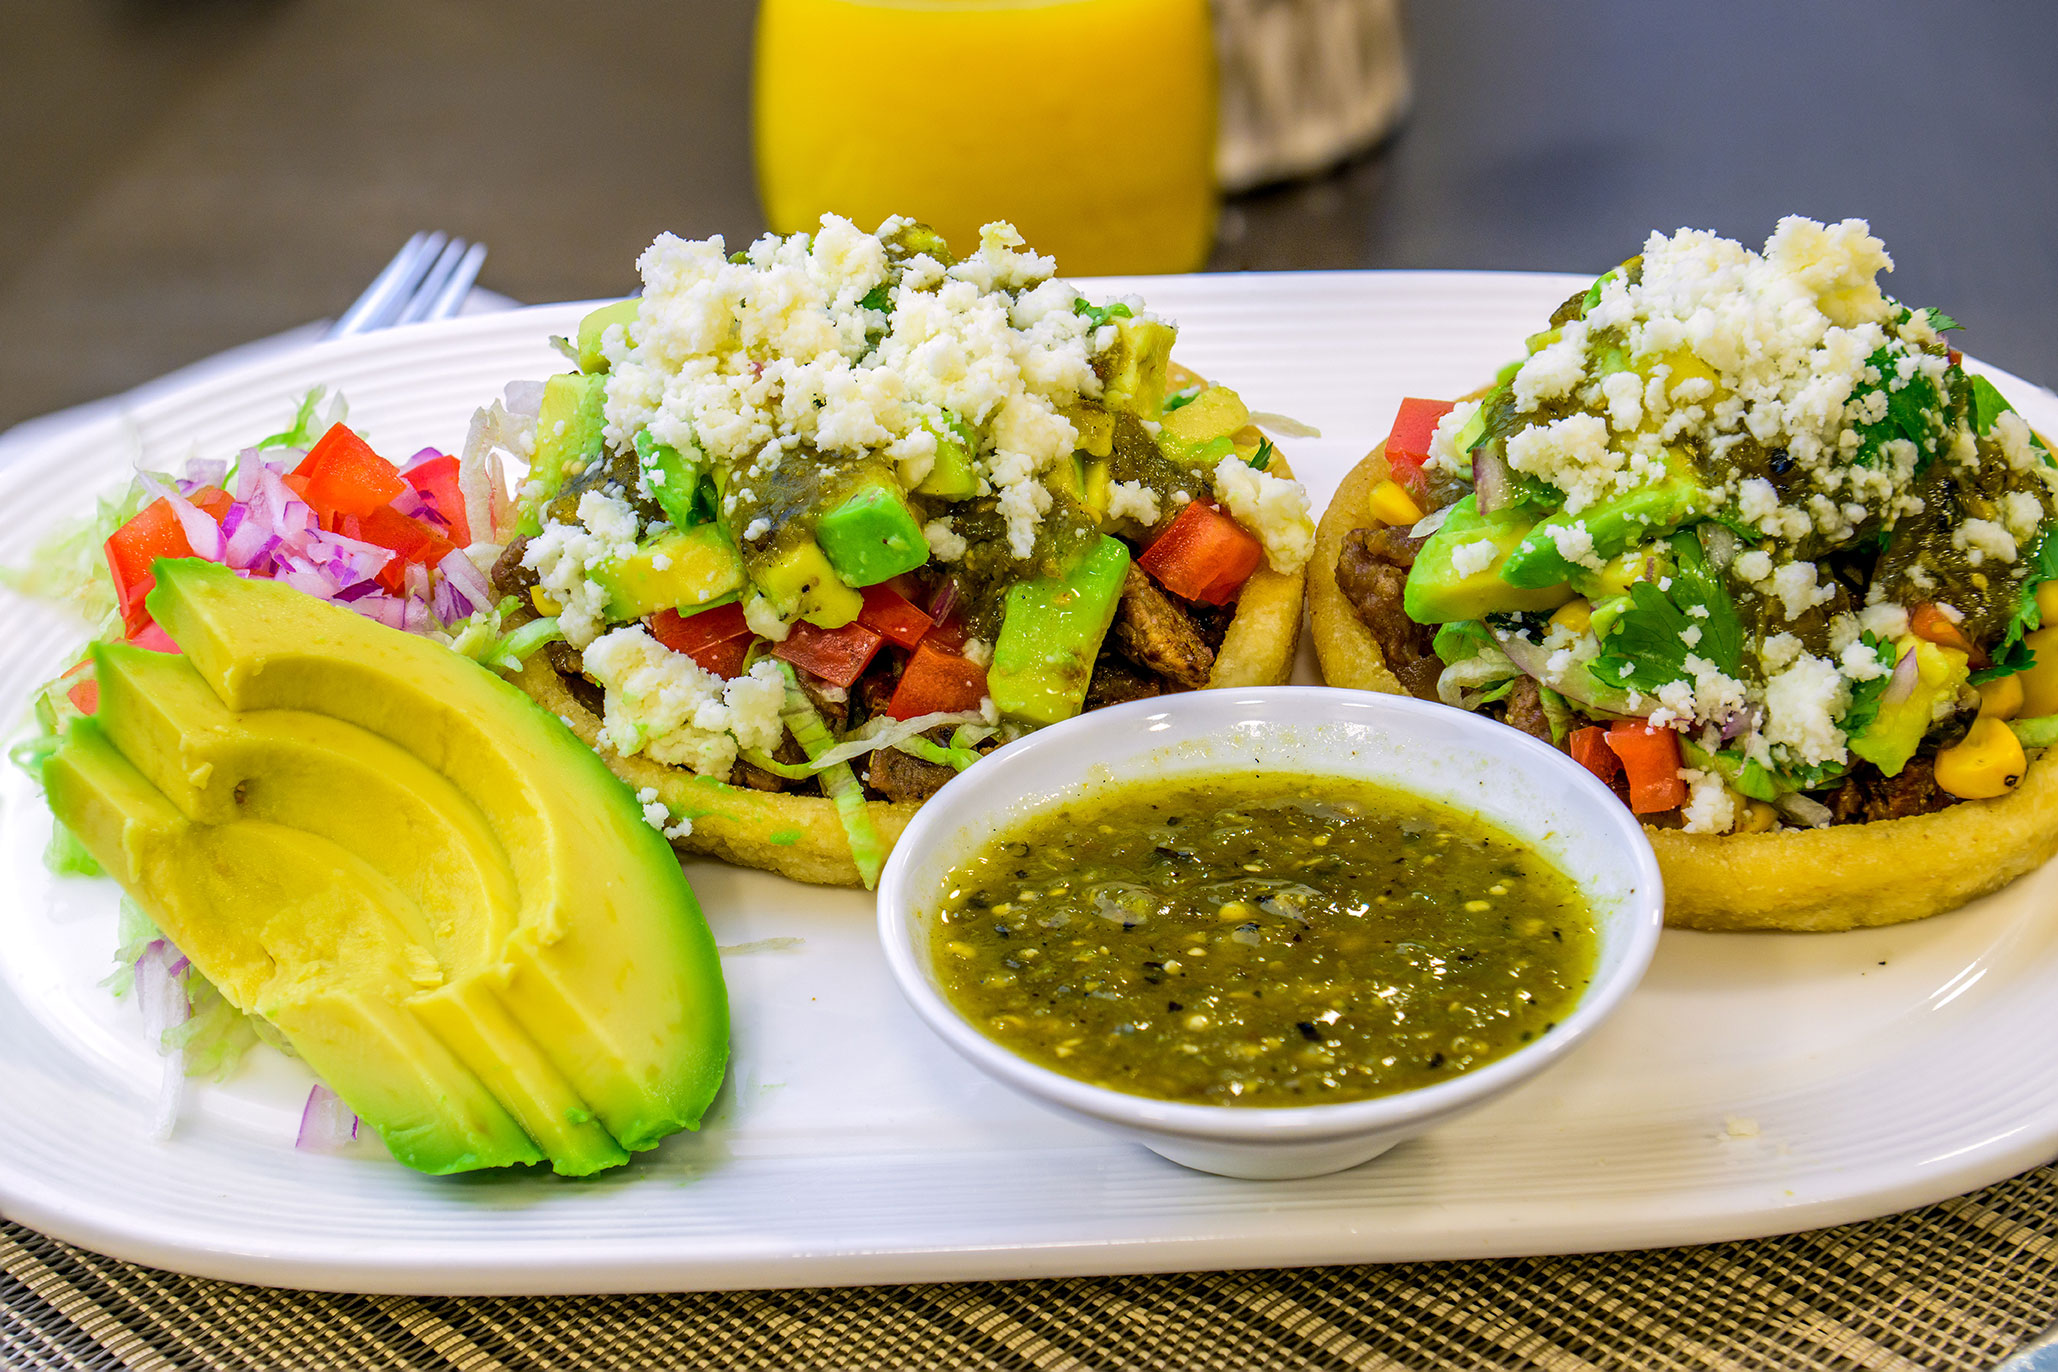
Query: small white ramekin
x=1528 y=789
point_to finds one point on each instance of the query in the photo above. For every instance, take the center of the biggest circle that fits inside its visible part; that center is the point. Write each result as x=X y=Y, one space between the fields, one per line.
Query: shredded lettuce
x=69 y=567
x=215 y=1034
x=882 y=731
x=482 y=639
x=839 y=783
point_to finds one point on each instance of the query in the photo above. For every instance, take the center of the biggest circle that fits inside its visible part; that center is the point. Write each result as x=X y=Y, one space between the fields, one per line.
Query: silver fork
x=427 y=279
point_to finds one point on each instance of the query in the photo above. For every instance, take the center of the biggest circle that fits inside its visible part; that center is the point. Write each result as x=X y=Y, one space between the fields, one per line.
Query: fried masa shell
x=1848 y=876
x=800 y=836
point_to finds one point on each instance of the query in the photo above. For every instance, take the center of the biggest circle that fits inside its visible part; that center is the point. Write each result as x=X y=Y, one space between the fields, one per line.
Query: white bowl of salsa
x=1270 y=932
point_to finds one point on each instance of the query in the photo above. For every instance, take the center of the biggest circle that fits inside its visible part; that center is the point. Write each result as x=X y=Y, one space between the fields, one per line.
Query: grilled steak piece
x=1371 y=571
x=902 y=776
x=1522 y=708
x=1115 y=680
x=1868 y=794
x=1152 y=631
x=509 y=576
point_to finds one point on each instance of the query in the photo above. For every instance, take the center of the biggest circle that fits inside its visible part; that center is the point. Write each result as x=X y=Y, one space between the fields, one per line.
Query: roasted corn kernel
x=1576 y=616
x=2001 y=698
x=2040 y=683
x=1987 y=762
x=1391 y=504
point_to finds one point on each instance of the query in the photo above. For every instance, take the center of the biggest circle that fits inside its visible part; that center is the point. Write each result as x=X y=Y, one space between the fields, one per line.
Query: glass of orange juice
x=1088 y=124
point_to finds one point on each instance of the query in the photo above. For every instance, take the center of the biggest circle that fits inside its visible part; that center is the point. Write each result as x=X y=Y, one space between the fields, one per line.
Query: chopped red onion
x=325 y=1121
x=463 y=576
x=1803 y=810
x=1431 y=522
x=1491 y=488
x=162 y=997
x=944 y=599
x=1906 y=672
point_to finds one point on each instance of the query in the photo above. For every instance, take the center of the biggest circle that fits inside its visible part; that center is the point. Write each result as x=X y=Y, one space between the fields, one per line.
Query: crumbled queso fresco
x=1809 y=411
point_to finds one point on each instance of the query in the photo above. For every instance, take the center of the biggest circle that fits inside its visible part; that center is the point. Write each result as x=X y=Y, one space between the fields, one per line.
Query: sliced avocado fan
x=447 y=904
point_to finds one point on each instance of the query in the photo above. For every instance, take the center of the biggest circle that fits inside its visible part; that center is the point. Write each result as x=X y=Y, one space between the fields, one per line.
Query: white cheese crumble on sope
x=1133 y=500
x=1273 y=508
x=1443 y=440
x=664 y=705
x=1470 y=559
x=563 y=555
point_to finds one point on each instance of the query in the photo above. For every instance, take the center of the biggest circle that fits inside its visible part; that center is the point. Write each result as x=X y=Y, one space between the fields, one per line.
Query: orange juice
x=1088 y=124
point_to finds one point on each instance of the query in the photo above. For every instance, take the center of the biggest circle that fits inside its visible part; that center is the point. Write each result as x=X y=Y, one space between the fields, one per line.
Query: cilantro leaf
x=1262 y=458
x=2043 y=566
x=879 y=298
x=1940 y=321
x=1101 y=314
x=1914 y=412
x=1647 y=645
x=1181 y=399
x=1988 y=405
x=1865 y=695
x=2012 y=658
x=1697 y=581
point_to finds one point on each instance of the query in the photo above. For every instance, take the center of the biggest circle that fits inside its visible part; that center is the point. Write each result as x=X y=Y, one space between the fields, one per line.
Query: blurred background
x=181 y=176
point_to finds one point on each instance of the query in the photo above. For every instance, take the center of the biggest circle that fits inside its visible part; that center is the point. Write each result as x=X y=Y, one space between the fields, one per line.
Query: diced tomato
x=131 y=549
x=1927 y=621
x=888 y=612
x=344 y=476
x=436 y=479
x=837 y=656
x=212 y=501
x=1590 y=750
x=411 y=540
x=1953 y=356
x=1204 y=555
x=717 y=639
x=1407 y=447
x=937 y=681
x=1650 y=760
x=724 y=659
x=153 y=637
x=85 y=696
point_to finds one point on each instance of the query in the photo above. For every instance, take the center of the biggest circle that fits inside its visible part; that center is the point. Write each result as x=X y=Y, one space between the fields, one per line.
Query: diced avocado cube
x=1095 y=426
x=1100 y=480
x=1634 y=517
x=1067 y=474
x=1050 y=634
x=680 y=569
x=673 y=478
x=1438 y=592
x=1215 y=413
x=952 y=476
x=801 y=584
x=872 y=535
x=595 y=326
x=568 y=434
x=1896 y=731
x=1136 y=366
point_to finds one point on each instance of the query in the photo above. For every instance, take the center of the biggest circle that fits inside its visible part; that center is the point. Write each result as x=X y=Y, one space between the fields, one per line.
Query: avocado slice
x=952 y=476
x=679 y=569
x=595 y=325
x=610 y=969
x=801 y=584
x=872 y=535
x=673 y=478
x=1050 y=634
x=302 y=931
x=568 y=436
x=309 y=773
x=1897 y=730
x=1637 y=516
x=1438 y=593
x=1198 y=433
x=1136 y=366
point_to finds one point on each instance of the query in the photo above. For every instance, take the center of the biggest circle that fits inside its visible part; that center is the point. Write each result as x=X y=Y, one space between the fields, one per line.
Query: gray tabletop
x=185 y=175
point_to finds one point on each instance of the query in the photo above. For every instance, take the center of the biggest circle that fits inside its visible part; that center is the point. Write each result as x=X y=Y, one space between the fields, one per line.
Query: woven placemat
x=1955 y=1285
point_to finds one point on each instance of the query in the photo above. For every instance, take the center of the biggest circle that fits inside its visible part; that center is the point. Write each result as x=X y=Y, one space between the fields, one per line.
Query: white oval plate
x=1755 y=1084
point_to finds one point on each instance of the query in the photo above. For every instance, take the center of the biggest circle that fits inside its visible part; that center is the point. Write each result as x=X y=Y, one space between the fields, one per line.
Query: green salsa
x=1260 y=941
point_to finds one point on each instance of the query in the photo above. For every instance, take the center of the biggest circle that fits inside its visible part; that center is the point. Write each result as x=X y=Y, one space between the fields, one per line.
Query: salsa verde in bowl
x=1273 y=932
